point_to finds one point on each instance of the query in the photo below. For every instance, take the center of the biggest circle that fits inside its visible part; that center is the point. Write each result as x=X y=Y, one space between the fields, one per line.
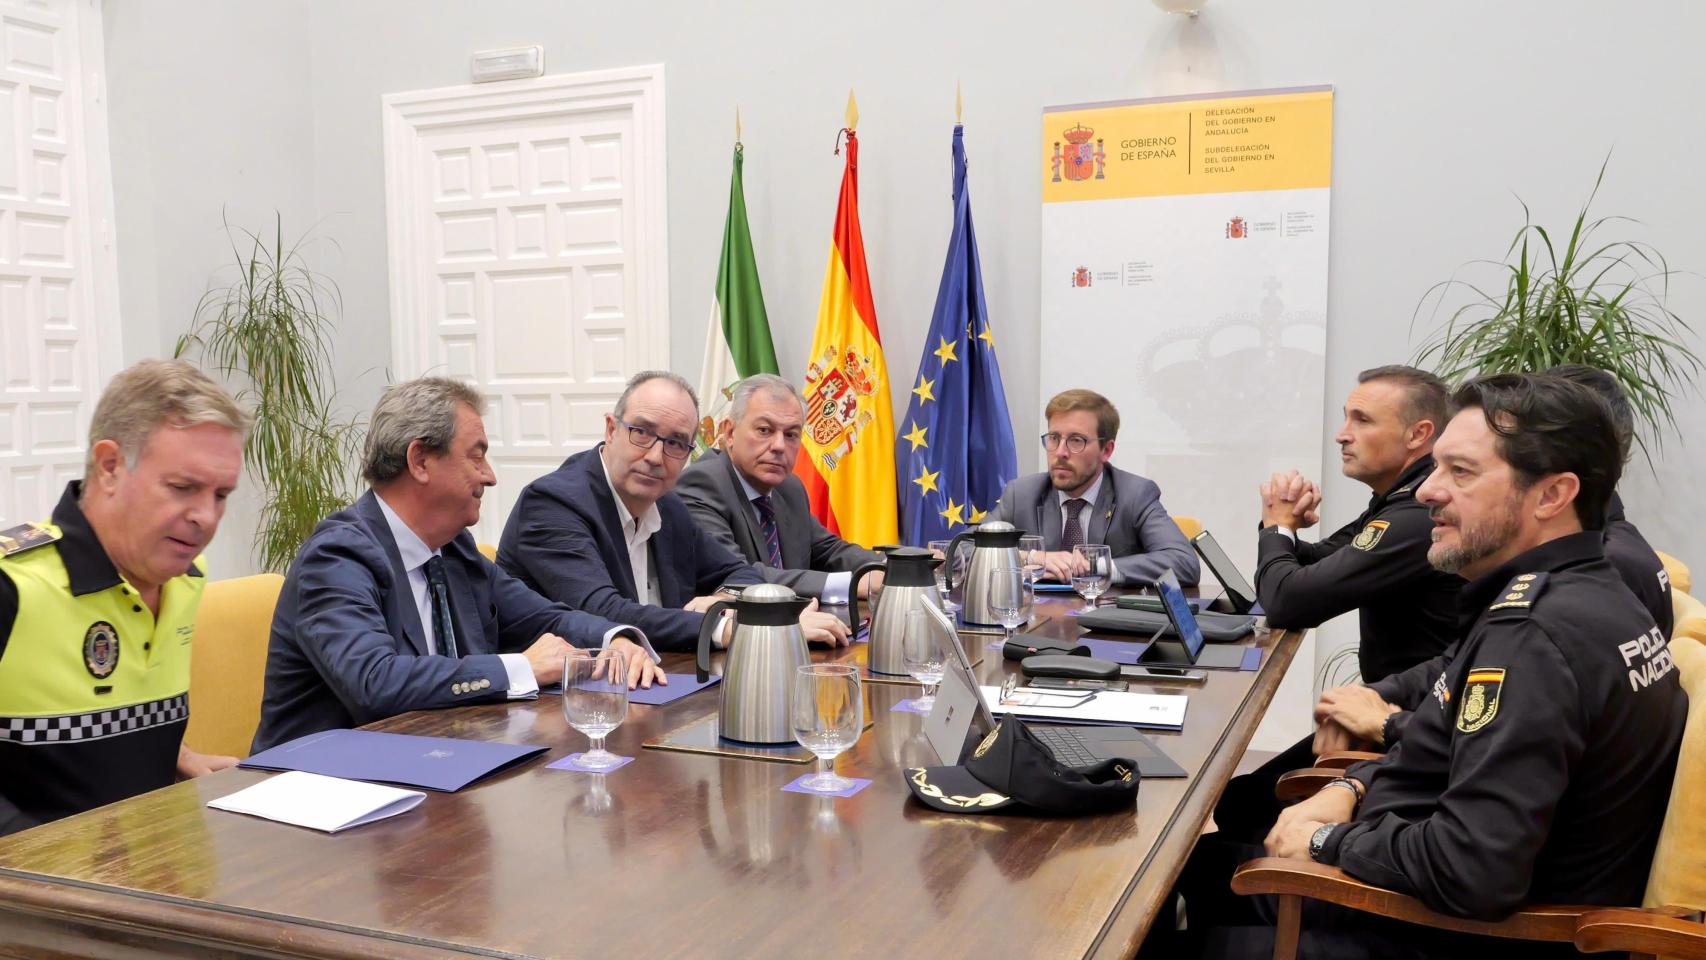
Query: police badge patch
x=1480 y=698
x=100 y=649
x=1370 y=534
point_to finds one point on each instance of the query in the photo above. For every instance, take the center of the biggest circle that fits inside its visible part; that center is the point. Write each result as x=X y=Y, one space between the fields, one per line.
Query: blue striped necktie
x=767 y=523
x=443 y=624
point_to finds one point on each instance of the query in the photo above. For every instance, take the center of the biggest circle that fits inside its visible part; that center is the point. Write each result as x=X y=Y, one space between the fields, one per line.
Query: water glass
x=1009 y=597
x=595 y=702
x=1095 y=565
x=1031 y=556
x=925 y=659
x=828 y=715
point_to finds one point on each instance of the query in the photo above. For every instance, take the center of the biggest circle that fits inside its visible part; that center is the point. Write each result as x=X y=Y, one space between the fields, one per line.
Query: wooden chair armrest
x=1295 y=785
x=1317 y=881
x=1344 y=758
x=1656 y=932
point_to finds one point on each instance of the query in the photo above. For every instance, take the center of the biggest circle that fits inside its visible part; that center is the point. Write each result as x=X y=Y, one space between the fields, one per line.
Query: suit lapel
x=1103 y=509
x=792 y=527
x=611 y=519
x=1048 y=517
x=400 y=603
x=736 y=494
x=464 y=606
x=670 y=588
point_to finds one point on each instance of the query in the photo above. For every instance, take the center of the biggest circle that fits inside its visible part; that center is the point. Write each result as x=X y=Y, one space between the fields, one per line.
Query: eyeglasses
x=645 y=438
x=1075 y=443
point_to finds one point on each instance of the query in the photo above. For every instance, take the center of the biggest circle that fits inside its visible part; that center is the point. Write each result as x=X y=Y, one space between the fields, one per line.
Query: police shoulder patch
x=1371 y=534
x=1520 y=593
x=1480 y=698
x=25 y=536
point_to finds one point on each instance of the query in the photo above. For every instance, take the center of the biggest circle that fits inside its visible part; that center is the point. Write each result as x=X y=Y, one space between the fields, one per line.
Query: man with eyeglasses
x=606 y=533
x=1083 y=499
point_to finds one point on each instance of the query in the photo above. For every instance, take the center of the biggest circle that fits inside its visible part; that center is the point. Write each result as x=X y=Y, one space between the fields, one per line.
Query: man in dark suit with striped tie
x=747 y=497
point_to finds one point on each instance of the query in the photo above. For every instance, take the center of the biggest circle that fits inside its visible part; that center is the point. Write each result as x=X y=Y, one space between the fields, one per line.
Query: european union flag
x=956 y=451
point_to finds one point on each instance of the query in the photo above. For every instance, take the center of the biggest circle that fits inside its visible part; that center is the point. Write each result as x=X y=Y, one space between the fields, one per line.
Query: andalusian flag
x=847 y=460
x=738 y=342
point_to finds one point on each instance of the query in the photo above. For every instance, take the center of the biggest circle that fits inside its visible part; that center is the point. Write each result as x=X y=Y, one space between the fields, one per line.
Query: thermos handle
x=707 y=630
x=853 y=592
x=953 y=549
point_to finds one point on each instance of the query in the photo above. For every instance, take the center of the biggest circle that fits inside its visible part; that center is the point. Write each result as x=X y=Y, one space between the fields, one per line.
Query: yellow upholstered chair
x=1189 y=526
x=488 y=551
x=228 y=663
x=1680 y=578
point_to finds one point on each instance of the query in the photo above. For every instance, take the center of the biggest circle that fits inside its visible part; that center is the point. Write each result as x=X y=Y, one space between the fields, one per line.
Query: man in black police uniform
x=98 y=607
x=1538 y=766
x=1627 y=550
x=1376 y=715
x=1376 y=564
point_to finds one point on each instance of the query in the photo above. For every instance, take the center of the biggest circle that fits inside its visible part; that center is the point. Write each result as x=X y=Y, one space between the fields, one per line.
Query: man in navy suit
x=1084 y=499
x=390 y=607
x=606 y=532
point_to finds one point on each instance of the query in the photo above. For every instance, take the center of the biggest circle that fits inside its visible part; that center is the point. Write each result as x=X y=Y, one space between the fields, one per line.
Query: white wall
x=1445 y=113
x=208 y=113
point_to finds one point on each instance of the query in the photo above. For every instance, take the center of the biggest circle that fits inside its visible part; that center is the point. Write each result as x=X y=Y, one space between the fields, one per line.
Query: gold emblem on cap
x=921 y=778
x=988 y=742
x=1526 y=577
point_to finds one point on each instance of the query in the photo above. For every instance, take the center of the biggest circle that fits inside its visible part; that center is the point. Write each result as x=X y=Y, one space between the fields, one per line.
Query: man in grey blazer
x=747 y=498
x=1083 y=499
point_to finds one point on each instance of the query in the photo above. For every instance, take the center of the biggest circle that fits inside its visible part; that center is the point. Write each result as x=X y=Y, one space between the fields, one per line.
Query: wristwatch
x=1318 y=840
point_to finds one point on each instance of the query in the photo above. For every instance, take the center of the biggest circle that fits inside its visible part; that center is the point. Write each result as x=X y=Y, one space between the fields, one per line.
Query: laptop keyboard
x=1067 y=745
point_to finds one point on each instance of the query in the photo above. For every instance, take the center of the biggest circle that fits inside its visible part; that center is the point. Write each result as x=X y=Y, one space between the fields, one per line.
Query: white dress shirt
x=415 y=554
x=835 y=585
x=637 y=531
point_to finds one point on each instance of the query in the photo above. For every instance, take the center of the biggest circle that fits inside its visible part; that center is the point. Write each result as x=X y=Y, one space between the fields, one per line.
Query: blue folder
x=436 y=763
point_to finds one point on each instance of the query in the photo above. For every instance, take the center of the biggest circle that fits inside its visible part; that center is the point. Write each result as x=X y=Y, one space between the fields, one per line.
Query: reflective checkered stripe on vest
x=94 y=693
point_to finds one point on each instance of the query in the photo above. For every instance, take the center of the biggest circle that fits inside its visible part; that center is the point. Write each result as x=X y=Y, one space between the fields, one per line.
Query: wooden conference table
x=675 y=855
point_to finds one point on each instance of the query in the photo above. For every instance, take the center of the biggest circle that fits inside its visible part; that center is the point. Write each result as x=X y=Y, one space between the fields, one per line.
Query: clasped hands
x=1290 y=500
x=547 y=653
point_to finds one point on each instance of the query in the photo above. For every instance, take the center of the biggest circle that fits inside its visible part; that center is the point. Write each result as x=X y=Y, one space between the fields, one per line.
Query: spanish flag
x=847 y=455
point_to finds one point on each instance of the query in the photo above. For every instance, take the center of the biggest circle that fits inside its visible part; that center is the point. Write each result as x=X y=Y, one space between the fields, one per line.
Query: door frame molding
x=407 y=115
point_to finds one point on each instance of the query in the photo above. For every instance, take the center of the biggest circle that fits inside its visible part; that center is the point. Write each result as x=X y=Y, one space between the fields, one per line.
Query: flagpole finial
x=959 y=104
x=737 y=124
x=852 y=111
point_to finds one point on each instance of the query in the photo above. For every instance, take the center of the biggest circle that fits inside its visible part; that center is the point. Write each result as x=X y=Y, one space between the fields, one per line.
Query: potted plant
x=270 y=331
x=1602 y=304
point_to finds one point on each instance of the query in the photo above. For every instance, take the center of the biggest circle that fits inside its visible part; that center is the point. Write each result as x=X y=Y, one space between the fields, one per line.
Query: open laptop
x=1239 y=593
x=1191 y=649
x=960 y=712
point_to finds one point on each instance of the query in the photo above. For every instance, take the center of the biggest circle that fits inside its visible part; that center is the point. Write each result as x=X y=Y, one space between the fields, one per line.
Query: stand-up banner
x=1184 y=276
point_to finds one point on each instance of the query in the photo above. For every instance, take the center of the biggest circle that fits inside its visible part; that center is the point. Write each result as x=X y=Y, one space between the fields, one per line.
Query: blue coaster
x=908 y=706
x=859 y=783
x=572 y=762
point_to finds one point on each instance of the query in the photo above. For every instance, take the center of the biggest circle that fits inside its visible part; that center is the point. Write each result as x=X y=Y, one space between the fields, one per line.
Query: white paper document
x=319 y=803
x=1162 y=711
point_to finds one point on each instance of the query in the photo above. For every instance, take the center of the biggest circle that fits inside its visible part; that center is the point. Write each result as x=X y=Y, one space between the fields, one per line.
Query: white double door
x=528 y=255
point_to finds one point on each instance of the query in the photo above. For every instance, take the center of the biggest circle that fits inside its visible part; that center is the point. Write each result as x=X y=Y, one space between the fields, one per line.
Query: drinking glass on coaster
x=925 y=659
x=1009 y=597
x=1096 y=560
x=595 y=702
x=828 y=714
x=942 y=571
